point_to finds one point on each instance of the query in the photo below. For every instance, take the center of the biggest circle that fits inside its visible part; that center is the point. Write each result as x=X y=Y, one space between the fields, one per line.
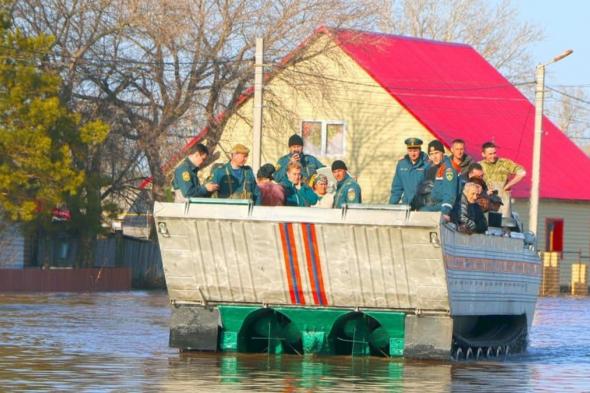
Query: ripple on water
x=118 y=341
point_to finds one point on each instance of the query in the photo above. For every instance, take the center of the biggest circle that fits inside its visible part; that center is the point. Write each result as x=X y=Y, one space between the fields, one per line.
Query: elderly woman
x=319 y=183
x=468 y=214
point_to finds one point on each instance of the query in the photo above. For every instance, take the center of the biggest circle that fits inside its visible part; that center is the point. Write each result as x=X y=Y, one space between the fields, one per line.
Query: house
x=357 y=95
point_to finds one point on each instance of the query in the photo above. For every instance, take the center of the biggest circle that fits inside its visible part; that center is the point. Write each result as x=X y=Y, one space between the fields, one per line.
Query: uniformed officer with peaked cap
x=409 y=173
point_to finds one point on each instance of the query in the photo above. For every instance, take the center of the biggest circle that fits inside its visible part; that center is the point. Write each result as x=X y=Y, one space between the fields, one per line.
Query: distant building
x=358 y=95
x=13 y=250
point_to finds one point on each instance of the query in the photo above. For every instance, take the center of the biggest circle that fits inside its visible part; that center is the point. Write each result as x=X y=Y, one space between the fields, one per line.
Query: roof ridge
x=327 y=29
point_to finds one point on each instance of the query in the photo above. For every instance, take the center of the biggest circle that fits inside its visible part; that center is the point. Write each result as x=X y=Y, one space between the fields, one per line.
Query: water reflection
x=119 y=341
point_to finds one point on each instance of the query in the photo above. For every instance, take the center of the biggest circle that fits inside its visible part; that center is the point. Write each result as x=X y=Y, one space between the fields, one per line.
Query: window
x=323 y=138
x=554 y=234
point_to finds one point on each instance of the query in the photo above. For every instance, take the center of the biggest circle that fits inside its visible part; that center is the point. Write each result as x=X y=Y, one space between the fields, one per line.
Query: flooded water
x=119 y=342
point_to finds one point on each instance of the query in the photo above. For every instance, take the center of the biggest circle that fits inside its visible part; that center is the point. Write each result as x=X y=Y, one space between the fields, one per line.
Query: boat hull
x=384 y=281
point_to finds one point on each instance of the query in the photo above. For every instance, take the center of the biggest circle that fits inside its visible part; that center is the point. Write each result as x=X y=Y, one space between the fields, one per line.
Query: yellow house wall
x=376 y=124
x=576 y=225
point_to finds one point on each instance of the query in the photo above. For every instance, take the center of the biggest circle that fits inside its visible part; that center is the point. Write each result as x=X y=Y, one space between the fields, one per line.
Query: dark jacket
x=469 y=217
x=461 y=169
x=444 y=188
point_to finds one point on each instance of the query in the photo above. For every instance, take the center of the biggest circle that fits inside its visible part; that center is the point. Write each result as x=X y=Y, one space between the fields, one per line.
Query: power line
x=563 y=93
x=415 y=89
x=119 y=60
x=583 y=85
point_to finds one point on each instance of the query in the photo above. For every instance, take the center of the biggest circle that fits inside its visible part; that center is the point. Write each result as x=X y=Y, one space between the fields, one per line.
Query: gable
x=332 y=87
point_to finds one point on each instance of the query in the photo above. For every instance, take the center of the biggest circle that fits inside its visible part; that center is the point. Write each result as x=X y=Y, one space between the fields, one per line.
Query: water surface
x=119 y=342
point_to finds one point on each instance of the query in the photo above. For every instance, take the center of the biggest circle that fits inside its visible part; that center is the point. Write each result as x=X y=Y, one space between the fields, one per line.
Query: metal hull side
x=490 y=275
x=298 y=256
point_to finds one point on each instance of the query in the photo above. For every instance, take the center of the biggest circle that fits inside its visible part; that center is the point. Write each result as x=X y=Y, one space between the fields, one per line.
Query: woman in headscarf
x=319 y=184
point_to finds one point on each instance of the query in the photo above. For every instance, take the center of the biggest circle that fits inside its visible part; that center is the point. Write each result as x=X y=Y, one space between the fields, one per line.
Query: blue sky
x=566 y=25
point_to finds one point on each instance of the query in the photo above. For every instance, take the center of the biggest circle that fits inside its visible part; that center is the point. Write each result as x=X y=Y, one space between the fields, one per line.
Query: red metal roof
x=455 y=93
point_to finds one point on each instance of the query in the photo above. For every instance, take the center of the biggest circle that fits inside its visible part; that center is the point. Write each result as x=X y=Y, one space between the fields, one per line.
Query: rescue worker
x=444 y=176
x=409 y=173
x=500 y=174
x=309 y=164
x=347 y=189
x=186 y=183
x=236 y=179
x=297 y=192
x=458 y=158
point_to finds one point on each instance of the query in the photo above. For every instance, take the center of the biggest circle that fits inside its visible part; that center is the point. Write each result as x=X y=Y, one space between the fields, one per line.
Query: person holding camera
x=309 y=164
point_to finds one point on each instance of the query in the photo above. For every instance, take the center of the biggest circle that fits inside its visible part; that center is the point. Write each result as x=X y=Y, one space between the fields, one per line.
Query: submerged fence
x=142 y=256
x=557 y=271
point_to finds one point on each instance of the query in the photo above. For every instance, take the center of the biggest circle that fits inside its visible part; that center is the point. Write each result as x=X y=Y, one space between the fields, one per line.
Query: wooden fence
x=65 y=279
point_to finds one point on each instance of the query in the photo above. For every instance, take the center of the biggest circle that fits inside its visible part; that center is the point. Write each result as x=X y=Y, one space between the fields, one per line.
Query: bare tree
x=492 y=28
x=79 y=29
x=569 y=107
x=161 y=69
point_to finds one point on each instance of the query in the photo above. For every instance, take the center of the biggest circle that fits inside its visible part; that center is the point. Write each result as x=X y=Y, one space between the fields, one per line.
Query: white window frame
x=324 y=133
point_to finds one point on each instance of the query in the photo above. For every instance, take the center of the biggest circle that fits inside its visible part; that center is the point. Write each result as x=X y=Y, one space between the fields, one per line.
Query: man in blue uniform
x=297 y=193
x=309 y=164
x=236 y=179
x=444 y=176
x=409 y=173
x=186 y=182
x=347 y=189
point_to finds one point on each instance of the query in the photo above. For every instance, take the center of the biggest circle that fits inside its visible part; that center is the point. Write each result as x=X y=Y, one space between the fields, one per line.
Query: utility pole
x=538 y=136
x=257 y=124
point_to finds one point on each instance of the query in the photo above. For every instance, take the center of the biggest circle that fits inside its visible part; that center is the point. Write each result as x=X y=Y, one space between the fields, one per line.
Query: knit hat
x=436 y=146
x=339 y=164
x=265 y=171
x=239 y=148
x=295 y=140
